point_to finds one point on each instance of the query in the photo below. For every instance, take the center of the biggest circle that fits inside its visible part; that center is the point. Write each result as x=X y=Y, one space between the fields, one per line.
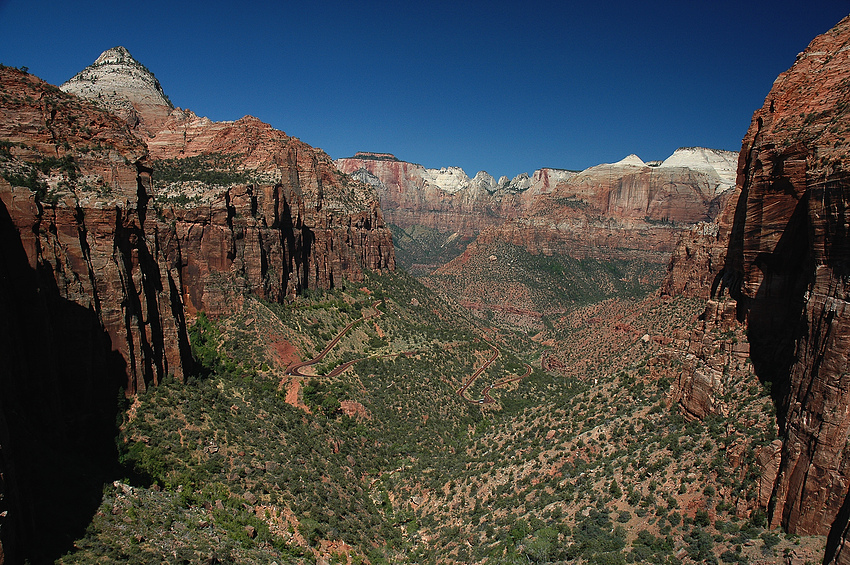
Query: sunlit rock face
x=121 y=85
x=629 y=207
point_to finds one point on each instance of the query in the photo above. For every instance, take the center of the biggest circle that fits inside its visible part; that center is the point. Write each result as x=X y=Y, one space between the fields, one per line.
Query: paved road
x=486 y=392
x=294 y=370
x=475 y=375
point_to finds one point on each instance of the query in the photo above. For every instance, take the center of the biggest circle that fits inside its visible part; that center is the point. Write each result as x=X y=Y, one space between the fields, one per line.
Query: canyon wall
x=102 y=264
x=787 y=267
x=626 y=208
x=785 y=264
x=294 y=222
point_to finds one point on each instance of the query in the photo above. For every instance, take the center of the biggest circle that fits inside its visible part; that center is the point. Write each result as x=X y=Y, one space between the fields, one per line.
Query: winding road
x=294 y=370
x=487 y=399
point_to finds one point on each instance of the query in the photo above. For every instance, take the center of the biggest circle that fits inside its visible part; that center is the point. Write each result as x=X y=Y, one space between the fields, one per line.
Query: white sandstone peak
x=450 y=179
x=116 y=55
x=724 y=163
x=121 y=85
x=632 y=160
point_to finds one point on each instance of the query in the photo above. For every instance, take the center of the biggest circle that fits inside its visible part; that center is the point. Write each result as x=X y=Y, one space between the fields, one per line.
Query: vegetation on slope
x=506 y=285
x=420 y=250
x=387 y=463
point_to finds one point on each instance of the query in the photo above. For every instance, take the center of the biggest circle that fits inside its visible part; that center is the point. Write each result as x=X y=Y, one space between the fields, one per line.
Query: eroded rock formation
x=627 y=207
x=122 y=86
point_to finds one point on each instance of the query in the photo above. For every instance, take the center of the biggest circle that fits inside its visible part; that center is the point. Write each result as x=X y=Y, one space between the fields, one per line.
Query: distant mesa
x=369 y=155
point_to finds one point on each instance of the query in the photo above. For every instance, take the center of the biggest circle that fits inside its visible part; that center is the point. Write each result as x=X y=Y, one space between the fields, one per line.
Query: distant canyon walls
x=628 y=207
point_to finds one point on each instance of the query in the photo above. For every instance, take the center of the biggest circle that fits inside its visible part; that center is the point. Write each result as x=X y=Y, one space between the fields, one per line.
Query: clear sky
x=506 y=87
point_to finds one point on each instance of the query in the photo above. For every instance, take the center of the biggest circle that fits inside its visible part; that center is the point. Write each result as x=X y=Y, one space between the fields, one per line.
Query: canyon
x=619 y=209
x=122 y=218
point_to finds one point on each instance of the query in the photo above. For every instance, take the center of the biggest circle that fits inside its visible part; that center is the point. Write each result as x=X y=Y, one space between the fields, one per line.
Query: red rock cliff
x=788 y=264
x=88 y=304
x=293 y=222
x=88 y=223
x=627 y=207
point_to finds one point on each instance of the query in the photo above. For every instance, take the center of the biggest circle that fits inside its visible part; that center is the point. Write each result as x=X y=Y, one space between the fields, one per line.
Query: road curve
x=486 y=392
x=462 y=390
x=294 y=370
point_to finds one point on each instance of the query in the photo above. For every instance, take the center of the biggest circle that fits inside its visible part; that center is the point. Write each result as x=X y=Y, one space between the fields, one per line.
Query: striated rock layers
x=241 y=198
x=787 y=265
x=293 y=222
x=628 y=206
x=88 y=303
x=109 y=245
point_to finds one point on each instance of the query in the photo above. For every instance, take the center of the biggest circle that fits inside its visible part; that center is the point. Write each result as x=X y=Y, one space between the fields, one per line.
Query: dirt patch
x=354 y=409
x=293 y=394
x=283 y=352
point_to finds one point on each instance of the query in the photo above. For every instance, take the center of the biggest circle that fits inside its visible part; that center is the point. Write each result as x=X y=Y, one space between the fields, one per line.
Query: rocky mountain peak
x=116 y=55
x=633 y=160
x=724 y=163
x=123 y=86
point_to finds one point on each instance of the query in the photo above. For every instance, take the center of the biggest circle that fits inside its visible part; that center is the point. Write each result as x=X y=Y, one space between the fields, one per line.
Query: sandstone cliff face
x=88 y=303
x=295 y=222
x=787 y=267
x=88 y=222
x=283 y=220
x=699 y=256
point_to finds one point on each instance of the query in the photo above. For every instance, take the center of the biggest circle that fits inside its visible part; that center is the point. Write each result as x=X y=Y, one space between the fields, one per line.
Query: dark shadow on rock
x=776 y=314
x=59 y=396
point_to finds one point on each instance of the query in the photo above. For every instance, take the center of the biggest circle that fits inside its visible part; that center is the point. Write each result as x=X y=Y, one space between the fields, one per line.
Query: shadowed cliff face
x=787 y=265
x=59 y=386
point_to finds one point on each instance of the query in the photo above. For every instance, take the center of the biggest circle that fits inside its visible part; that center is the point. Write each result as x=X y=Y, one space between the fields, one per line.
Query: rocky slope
x=110 y=246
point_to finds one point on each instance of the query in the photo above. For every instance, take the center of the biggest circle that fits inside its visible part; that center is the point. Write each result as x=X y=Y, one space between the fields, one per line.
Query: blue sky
x=506 y=87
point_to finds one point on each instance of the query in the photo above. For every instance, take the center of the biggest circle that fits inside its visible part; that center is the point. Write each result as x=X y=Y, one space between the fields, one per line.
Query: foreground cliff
x=786 y=265
x=109 y=246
